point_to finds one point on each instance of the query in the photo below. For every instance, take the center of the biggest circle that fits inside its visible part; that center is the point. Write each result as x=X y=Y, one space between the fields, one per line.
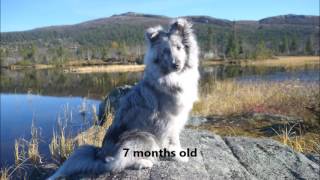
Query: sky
x=19 y=15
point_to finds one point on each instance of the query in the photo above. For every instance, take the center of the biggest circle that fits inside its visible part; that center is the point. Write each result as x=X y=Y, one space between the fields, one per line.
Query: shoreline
x=97 y=66
x=101 y=69
x=276 y=61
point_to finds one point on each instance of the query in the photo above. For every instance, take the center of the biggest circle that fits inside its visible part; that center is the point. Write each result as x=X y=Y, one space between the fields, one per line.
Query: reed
x=61 y=145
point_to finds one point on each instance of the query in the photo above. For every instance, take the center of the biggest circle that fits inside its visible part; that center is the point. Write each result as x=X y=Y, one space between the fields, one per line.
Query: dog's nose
x=175 y=66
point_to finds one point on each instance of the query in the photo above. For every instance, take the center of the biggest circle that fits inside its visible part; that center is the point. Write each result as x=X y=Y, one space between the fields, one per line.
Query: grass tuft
x=61 y=146
x=293 y=137
x=4 y=174
x=33 y=145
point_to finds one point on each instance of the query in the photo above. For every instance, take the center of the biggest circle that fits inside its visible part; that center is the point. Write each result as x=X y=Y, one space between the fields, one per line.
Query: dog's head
x=169 y=50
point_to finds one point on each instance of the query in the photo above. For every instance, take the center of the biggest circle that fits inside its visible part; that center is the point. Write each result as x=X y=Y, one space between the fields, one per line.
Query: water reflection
x=57 y=83
x=96 y=85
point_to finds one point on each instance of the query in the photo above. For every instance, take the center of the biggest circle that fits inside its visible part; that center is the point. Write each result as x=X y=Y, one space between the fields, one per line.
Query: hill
x=121 y=38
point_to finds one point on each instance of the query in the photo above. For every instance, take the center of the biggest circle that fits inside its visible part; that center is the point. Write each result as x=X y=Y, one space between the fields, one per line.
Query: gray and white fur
x=151 y=116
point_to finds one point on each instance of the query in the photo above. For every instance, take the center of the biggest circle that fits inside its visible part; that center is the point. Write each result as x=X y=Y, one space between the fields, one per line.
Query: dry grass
x=26 y=156
x=28 y=150
x=231 y=97
x=34 y=66
x=287 y=61
x=227 y=130
x=33 y=145
x=95 y=134
x=305 y=143
x=62 y=145
x=103 y=69
x=19 y=151
x=4 y=174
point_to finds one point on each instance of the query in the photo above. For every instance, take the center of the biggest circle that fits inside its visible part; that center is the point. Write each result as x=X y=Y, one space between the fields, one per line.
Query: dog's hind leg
x=130 y=151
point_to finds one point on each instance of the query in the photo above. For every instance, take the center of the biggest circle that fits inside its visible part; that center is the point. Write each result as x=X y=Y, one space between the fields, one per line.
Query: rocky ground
x=228 y=158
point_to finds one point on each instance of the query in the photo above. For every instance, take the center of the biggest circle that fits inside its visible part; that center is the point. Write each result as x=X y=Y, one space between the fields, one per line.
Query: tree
x=88 y=54
x=234 y=45
x=124 y=49
x=262 y=52
x=274 y=46
x=79 y=52
x=231 y=47
x=308 y=47
x=3 y=54
x=104 y=53
x=241 y=51
x=284 y=45
x=293 y=46
x=210 y=39
x=28 y=53
x=114 y=45
x=60 y=54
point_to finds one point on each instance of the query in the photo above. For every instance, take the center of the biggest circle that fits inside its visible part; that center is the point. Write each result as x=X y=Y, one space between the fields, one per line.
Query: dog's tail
x=83 y=160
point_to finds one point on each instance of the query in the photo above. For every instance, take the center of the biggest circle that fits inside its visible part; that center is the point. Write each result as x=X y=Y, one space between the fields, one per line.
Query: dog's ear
x=183 y=28
x=152 y=34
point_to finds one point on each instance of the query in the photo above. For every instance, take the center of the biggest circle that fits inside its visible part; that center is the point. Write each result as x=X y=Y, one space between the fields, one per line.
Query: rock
x=227 y=158
x=249 y=118
x=196 y=121
x=314 y=157
x=268 y=159
x=275 y=118
x=111 y=102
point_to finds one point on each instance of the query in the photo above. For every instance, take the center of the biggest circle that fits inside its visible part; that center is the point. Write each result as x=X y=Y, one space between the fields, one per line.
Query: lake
x=43 y=96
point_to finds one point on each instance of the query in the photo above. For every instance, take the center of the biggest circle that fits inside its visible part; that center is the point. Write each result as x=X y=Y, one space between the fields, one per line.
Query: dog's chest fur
x=174 y=96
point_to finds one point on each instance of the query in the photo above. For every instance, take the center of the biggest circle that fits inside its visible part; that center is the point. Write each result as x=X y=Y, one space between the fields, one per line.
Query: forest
x=120 y=39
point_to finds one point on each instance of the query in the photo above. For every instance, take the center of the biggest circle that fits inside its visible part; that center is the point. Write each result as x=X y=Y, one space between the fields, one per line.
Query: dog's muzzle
x=176 y=66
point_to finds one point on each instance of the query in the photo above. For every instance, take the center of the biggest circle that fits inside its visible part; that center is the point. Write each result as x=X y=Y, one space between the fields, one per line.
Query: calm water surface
x=61 y=92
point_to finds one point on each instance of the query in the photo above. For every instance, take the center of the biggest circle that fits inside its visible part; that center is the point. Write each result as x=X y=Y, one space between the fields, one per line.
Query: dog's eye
x=178 y=47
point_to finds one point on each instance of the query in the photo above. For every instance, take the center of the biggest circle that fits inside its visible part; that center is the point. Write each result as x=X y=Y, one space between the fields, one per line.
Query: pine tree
x=262 y=52
x=60 y=54
x=210 y=39
x=308 y=47
x=28 y=53
x=241 y=51
x=293 y=46
x=234 y=48
x=284 y=45
x=104 y=53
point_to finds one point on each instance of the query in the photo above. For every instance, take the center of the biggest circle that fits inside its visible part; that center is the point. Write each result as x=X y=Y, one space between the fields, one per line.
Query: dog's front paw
x=143 y=164
x=178 y=156
x=181 y=159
